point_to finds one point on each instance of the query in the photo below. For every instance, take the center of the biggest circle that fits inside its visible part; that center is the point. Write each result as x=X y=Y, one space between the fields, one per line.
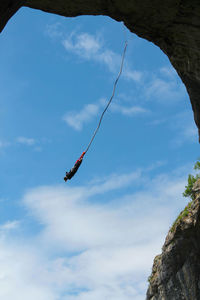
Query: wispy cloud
x=84 y=45
x=136 y=76
x=34 y=144
x=164 y=86
x=165 y=91
x=113 y=182
x=88 y=46
x=128 y=110
x=54 y=30
x=31 y=143
x=77 y=119
x=91 y=47
x=26 y=141
x=10 y=225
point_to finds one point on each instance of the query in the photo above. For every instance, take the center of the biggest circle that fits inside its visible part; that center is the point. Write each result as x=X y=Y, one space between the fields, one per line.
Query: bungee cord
x=109 y=102
x=73 y=171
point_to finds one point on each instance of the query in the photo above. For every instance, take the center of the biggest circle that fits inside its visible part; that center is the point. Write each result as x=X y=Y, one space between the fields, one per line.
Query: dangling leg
x=66 y=176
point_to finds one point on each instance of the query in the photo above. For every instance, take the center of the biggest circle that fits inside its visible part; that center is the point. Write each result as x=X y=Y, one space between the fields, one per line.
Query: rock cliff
x=176 y=272
x=173 y=25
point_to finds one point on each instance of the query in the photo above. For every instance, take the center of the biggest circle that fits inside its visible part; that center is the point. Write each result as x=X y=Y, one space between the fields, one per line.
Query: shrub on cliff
x=191 y=180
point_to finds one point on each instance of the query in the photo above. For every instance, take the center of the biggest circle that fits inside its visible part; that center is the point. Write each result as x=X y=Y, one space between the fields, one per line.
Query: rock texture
x=176 y=272
x=173 y=25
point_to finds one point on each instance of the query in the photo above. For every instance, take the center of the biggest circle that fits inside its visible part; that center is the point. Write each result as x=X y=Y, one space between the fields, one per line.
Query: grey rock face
x=176 y=272
x=173 y=25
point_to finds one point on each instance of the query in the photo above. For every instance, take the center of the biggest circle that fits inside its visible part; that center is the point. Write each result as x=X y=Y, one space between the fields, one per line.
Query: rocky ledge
x=176 y=272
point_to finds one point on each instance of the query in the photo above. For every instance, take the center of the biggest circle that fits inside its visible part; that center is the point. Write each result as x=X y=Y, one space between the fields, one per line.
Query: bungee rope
x=109 y=102
x=72 y=172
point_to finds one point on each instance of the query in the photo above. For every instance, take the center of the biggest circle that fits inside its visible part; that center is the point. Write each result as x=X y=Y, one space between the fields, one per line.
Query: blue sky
x=96 y=236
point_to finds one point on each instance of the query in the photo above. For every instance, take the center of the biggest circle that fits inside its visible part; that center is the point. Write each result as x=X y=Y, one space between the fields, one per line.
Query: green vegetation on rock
x=191 y=181
x=183 y=214
x=188 y=193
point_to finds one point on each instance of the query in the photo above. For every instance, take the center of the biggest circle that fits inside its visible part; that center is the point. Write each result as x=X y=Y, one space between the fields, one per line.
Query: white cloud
x=164 y=86
x=30 y=142
x=77 y=119
x=97 y=224
x=22 y=274
x=113 y=182
x=26 y=141
x=165 y=91
x=91 y=47
x=88 y=249
x=54 y=30
x=128 y=110
x=9 y=225
x=133 y=75
x=84 y=45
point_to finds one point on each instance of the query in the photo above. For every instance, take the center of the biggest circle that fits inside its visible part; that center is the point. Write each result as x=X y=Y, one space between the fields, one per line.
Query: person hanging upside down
x=73 y=170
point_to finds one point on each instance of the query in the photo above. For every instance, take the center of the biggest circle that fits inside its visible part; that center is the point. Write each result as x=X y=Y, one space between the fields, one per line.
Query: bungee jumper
x=73 y=171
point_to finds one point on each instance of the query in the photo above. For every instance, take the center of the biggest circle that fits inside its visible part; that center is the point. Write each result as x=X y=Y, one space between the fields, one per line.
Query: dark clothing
x=73 y=170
